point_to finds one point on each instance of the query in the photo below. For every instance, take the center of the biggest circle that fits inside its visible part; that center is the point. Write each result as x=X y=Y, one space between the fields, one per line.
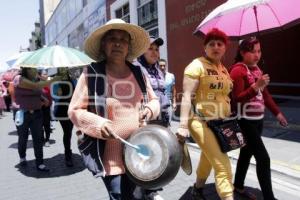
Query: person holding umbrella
x=113 y=45
x=2 y=94
x=207 y=80
x=250 y=95
x=28 y=97
x=46 y=109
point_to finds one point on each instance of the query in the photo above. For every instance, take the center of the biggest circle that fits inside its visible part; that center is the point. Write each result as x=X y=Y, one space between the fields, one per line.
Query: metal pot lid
x=148 y=168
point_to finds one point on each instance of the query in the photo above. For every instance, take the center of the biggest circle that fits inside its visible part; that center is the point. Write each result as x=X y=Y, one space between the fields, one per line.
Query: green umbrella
x=56 y=56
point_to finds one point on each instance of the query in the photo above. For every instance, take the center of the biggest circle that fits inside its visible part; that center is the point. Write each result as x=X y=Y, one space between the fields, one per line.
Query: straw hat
x=139 y=42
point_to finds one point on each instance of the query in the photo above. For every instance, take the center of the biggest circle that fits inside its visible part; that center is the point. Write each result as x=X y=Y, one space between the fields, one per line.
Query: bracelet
x=183 y=126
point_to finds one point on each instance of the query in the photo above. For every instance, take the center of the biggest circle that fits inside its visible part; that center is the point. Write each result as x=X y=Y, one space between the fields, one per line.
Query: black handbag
x=228 y=133
x=91 y=150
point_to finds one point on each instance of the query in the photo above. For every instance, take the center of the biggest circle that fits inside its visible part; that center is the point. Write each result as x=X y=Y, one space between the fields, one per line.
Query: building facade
x=174 y=21
x=35 y=40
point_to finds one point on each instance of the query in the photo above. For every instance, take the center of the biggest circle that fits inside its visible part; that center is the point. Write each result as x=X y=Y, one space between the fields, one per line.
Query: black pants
x=67 y=127
x=252 y=130
x=46 y=123
x=7 y=100
x=119 y=187
x=32 y=121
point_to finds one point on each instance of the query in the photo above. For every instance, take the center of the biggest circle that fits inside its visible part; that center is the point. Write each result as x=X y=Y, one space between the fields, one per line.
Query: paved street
x=64 y=183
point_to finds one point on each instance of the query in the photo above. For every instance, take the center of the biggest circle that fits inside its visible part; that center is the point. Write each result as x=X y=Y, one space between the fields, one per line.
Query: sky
x=17 y=18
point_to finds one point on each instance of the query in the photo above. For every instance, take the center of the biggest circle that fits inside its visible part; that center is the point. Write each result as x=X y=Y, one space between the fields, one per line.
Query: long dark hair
x=24 y=72
x=246 y=45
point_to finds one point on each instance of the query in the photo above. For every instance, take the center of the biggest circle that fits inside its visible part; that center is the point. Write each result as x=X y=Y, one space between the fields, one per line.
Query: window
x=123 y=13
x=147 y=14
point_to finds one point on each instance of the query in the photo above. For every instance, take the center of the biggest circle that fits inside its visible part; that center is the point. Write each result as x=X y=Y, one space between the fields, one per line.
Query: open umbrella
x=241 y=18
x=3 y=67
x=13 y=61
x=56 y=56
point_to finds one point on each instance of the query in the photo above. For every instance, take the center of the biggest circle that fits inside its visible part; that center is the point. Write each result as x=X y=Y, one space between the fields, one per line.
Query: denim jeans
x=119 y=187
x=32 y=121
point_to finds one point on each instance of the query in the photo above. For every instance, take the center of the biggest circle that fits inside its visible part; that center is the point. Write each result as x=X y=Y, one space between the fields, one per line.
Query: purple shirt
x=27 y=99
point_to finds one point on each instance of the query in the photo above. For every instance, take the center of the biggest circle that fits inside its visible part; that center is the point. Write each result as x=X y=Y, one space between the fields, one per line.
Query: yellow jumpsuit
x=212 y=100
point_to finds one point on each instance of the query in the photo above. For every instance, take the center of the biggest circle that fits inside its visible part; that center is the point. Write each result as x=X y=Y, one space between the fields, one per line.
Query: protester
x=113 y=46
x=2 y=94
x=6 y=96
x=207 y=80
x=149 y=64
x=11 y=90
x=251 y=96
x=46 y=109
x=28 y=97
x=63 y=93
x=170 y=89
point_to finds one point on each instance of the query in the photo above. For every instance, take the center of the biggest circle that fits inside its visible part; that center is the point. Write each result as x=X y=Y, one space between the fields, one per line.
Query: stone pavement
x=64 y=183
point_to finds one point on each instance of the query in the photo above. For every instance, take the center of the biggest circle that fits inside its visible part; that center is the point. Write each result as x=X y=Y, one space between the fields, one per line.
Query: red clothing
x=47 y=93
x=244 y=93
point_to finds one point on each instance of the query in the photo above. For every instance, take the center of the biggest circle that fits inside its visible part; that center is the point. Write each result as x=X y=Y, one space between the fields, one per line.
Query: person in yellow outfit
x=206 y=88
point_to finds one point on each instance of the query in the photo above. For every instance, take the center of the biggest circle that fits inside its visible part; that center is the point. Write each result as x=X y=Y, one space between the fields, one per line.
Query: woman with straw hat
x=113 y=45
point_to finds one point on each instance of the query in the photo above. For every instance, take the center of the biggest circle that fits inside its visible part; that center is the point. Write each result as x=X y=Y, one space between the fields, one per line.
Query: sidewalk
x=76 y=183
x=283 y=144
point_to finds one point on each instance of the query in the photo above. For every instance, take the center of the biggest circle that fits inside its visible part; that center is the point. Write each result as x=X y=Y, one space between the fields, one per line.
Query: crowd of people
x=210 y=91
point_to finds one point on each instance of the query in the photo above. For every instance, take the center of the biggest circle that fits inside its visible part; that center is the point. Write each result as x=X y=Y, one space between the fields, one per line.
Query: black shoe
x=245 y=193
x=23 y=162
x=68 y=159
x=69 y=162
x=197 y=193
x=42 y=168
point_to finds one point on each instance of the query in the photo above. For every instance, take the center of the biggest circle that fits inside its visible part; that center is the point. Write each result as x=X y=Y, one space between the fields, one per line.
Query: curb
x=277 y=166
x=290 y=127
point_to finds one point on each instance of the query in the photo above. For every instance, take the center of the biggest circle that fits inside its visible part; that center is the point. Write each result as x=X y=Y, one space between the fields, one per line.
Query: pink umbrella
x=240 y=18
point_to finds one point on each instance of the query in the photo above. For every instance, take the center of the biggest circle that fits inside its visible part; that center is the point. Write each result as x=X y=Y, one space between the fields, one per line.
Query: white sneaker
x=52 y=126
x=157 y=197
x=47 y=144
x=42 y=168
x=138 y=193
x=153 y=196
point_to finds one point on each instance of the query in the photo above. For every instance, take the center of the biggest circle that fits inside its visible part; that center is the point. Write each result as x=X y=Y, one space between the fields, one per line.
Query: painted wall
x=183 y=46
x=279 y=48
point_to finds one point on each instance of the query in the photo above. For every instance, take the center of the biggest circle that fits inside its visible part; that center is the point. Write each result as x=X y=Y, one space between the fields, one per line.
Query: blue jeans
x=119 y=187
x=32 y=121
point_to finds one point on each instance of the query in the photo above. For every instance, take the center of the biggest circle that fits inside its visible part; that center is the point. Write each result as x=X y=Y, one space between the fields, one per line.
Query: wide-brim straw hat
x=139 y=39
